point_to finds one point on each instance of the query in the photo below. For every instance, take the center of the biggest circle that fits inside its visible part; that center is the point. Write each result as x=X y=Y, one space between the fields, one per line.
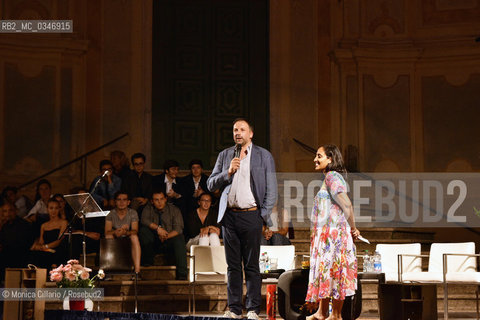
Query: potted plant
x=74 y=275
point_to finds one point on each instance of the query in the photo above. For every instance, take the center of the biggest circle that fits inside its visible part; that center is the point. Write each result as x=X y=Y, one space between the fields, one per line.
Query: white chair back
x=209 y=262
x=454 y=263
x=284 y=254
x=390 y=252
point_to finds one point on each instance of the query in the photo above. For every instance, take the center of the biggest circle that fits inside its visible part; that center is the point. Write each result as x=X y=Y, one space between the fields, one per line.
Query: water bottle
x=366 y=262
x=377 y=262
x=267 y=262
x=262 y=262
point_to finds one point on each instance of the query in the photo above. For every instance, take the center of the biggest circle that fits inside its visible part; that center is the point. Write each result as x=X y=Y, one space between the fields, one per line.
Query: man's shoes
x=231 y=315
x=252 y=315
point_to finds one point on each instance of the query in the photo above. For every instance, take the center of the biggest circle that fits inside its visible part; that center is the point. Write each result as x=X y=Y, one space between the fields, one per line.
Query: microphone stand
x=81 y=214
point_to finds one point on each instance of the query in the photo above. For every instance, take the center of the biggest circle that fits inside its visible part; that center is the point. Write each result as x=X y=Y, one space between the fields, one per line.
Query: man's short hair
x=170 y=163
x=105 y=162
x=115 y=196
x=245 y=120
x=138 y=155
x=195 y=161
x=159 y=190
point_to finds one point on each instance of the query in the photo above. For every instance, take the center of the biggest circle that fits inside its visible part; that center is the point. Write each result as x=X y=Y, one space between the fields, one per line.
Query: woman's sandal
x=312 y=317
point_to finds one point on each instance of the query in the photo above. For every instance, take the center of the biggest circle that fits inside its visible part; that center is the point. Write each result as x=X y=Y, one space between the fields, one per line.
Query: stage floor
x=84 y=315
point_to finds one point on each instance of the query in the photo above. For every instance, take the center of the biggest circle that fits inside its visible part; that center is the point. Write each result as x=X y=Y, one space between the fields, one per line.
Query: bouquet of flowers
x=74 y=275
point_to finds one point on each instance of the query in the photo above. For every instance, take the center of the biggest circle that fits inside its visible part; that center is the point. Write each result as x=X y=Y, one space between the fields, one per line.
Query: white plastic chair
x=449 y=263
x=398 y=259
x=207 y=265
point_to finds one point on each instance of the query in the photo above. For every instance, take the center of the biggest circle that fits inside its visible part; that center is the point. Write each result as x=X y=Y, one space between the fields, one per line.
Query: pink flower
x=334 y=233
x=87 y=269
x=70 y=275
x=67 y=268
x=73 y=261
x=77 y=267
x=56 y=276
x=58 y=269
x=84 y=275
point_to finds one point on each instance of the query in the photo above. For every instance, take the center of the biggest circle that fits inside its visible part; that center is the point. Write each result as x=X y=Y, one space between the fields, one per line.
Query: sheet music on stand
x=85 y=202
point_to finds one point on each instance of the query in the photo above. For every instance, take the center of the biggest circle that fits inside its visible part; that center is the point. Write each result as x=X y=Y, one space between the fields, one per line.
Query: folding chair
x=116 y=258
x=207 y=266
x=450 y=263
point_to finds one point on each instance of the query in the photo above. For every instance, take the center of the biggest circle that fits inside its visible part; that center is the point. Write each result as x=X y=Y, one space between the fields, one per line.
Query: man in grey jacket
x=161 y=230
x=246 y=174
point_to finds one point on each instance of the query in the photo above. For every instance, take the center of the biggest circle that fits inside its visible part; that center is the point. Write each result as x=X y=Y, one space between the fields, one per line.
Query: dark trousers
x=242 y=232
x=276 y=240
x=175 y=247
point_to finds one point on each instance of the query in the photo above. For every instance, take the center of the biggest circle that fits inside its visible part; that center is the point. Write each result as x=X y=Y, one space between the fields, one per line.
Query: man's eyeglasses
x=138 y=163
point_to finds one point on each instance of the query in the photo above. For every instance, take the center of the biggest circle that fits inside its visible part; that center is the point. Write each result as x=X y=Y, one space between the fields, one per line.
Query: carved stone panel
x=450 y=115
x=387 y=124
x=29 y=118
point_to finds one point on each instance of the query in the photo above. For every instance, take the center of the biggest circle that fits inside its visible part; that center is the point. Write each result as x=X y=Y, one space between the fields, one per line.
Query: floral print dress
x=333 y=262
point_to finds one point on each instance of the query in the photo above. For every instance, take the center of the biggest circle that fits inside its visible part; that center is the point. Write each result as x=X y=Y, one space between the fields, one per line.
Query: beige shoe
x=232 y=315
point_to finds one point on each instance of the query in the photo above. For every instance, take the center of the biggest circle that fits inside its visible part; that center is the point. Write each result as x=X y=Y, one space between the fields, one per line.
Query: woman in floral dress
x=333 y=263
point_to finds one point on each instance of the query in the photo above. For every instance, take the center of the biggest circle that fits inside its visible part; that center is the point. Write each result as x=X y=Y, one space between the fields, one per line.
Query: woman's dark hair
x=51 y=200
x=43 y=181
x=334 y=154
x=205 y=194
x=58 y=195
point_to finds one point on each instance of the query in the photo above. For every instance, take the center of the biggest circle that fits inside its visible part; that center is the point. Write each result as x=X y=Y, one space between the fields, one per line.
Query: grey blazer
x=263 y=180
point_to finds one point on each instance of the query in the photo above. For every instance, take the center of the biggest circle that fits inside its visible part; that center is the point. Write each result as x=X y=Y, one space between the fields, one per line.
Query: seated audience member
x=106 y=187
x=66 y=211
x=201 y=226
x=94 y=229
x=123 y=222
x=49 y=249
x=167 y=181
x=22 y=203
x=42 y=195
x=193 y=185
x=38 y=214
x=161 y=231
x=15 y=239
x=138 y=184
x=277 y=234
x=121 y=165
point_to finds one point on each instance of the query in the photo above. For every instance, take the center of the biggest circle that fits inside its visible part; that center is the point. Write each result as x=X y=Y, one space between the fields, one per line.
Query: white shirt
x=169 y=184
x=39 y=207
x=196 y=182
x=240 y=195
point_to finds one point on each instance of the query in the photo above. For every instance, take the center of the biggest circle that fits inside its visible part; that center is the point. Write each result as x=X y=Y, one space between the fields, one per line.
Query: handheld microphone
x=238 y=149
x=105 y=174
